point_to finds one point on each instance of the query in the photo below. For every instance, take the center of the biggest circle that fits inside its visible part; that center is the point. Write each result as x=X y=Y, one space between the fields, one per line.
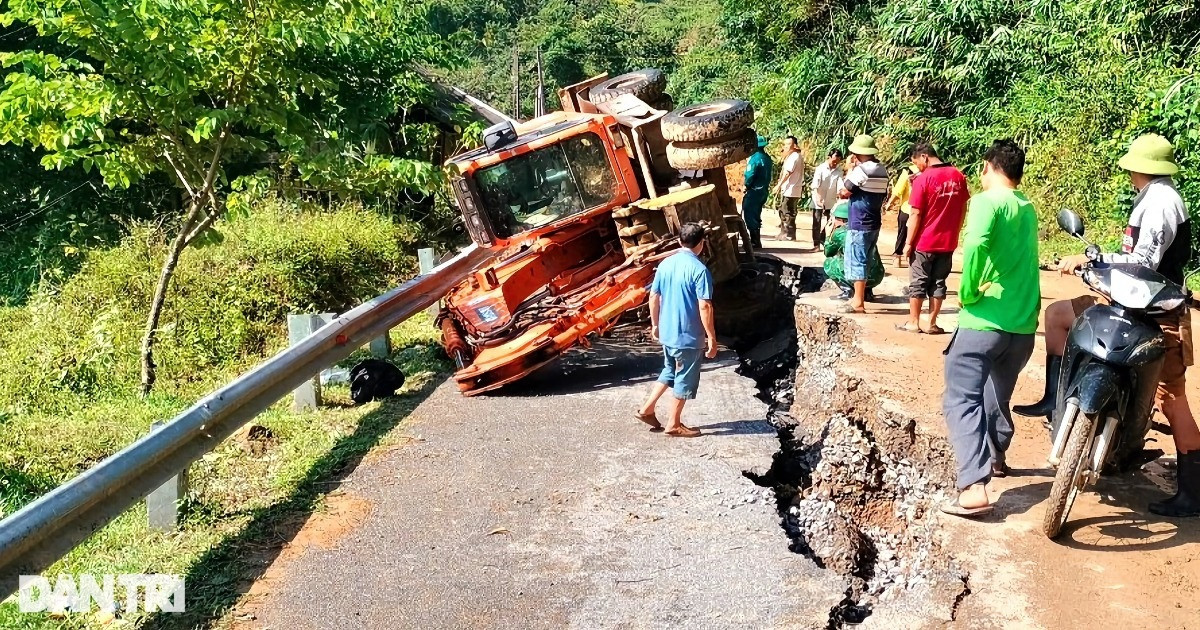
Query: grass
x=245 y=497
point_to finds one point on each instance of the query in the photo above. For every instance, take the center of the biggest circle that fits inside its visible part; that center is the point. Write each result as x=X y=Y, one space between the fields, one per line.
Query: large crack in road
x=854 y=483
x=548 y=506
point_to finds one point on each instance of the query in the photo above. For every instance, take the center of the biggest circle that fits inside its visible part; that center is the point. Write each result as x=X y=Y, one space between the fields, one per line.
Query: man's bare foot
x=682 y=430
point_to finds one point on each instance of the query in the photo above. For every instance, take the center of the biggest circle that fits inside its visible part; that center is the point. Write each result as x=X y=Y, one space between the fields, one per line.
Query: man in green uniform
x=835 y=253
x=1000 y=298
x=758 y=182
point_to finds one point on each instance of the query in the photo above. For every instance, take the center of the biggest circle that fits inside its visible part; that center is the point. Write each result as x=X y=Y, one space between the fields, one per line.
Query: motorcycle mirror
x=1070 y=223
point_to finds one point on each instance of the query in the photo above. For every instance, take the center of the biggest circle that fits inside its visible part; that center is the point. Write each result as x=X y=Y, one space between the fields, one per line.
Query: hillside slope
x=1073 y=81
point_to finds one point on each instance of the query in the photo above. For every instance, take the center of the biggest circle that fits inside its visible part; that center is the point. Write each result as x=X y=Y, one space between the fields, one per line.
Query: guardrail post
x=381 y=346
x=427 y=260
x=308 y=395
x=44 y=530
x=162 y=504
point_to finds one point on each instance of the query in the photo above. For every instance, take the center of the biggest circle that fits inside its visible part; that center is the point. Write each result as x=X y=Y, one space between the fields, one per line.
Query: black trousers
x=818 y=226
x=901 y=233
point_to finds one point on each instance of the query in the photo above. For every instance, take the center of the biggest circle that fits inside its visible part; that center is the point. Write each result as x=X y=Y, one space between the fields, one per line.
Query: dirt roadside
x=1115 y=566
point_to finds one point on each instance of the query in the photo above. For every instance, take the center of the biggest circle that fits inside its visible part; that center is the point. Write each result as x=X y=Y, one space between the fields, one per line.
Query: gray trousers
x=981 y=374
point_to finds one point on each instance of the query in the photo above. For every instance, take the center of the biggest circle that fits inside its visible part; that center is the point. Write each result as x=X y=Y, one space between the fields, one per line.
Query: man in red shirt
x=939 y=204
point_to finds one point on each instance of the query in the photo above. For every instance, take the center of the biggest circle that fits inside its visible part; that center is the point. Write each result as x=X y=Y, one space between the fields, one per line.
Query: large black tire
x=701 y=156
x=647 y=84
x=707 y=121
x=1066 y=485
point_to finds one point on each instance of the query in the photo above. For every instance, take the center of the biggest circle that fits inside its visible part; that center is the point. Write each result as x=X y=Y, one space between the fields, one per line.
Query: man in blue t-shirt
x=681 y=314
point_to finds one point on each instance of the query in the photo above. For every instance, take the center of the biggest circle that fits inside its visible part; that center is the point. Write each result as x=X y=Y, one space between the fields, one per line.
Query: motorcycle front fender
x=1096 y=386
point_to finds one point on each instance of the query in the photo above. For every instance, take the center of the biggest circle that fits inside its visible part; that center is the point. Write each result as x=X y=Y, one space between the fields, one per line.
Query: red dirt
x=1115 y=566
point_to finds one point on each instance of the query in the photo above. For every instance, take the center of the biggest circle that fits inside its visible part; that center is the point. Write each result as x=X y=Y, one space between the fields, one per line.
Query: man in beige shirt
x=826 y=184
x=790 y=188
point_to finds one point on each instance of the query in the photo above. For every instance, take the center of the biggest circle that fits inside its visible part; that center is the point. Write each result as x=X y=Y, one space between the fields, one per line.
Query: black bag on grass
x=374 y=379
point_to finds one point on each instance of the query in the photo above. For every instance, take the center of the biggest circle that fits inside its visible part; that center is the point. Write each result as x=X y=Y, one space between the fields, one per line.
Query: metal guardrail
x=40 y=533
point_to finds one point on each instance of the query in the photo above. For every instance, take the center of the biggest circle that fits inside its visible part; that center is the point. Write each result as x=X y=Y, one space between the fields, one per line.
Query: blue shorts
x=681 y=371
x=861 y=247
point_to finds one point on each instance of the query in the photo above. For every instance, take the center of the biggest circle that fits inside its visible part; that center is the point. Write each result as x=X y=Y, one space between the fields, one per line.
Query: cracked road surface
x=551 y=506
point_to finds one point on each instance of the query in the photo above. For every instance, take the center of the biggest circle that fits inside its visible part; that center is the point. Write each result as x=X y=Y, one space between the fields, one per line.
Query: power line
x=32 y=213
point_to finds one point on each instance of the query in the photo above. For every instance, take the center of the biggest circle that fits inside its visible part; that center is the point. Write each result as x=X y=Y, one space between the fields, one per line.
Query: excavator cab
x=580 y=205
x=542 y=173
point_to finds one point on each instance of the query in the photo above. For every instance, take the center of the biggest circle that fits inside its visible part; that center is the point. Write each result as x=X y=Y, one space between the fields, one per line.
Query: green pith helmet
x=762 y=142
x=863 y=144
x=842 y=210
x=1150 y=154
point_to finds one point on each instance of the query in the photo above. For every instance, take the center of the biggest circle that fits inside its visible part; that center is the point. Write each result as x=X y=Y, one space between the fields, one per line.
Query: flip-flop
x=904 y=328
x=853 y=310
x=651 y=420
x=935 y=330
x=954 y=509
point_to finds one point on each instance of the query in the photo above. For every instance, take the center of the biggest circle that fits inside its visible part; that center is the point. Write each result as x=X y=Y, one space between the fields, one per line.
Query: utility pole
x=516 y=81
x=540 y=106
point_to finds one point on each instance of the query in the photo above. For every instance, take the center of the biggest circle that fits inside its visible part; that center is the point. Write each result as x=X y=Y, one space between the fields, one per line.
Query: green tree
x=221 y=96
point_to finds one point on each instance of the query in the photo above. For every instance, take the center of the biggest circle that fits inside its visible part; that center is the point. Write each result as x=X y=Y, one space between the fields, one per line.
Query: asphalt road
x=550 y=506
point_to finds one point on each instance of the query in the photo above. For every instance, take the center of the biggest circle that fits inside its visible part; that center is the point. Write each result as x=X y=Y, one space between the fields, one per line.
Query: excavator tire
x=701 y=156
x=645 y=84
x=708 y=121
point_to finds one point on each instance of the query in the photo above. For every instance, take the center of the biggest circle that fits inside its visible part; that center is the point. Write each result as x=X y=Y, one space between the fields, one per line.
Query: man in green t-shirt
x=1000 y=298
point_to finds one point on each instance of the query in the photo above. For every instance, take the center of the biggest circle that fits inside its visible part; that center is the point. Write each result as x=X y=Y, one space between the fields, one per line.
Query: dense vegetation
x=1072 y=81
x=285 y=153
x=287 y=150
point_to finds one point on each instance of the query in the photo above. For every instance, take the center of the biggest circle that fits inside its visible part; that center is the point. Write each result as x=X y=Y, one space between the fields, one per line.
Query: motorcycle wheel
x=1070 y=477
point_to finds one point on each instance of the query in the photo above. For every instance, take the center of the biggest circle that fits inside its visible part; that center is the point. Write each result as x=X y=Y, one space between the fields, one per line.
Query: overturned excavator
x=581 y=205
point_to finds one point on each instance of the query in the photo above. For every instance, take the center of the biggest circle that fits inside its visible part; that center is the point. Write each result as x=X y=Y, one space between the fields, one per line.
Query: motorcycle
x=1109 y=374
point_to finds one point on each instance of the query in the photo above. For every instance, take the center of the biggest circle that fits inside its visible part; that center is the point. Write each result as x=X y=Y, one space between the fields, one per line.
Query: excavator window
x=543 y=186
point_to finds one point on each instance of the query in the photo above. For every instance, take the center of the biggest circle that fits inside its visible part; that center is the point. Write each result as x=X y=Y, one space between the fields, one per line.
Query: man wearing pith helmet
x=1159 y=236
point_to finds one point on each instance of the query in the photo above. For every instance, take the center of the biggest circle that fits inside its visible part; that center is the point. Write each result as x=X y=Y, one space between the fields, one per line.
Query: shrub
x=228 y=305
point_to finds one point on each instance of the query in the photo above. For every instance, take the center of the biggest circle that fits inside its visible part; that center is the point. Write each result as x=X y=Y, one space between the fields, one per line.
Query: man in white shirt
x=826 y=184
x=1158 y=237
x=790 y=188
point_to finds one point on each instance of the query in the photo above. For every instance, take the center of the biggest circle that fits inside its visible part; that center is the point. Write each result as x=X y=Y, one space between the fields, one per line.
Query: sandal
x=683 y=431
x=651 y=420
x=905 y=328
x=935 y=330
x=849 y=308
x=954 y=508
x=1000 y=471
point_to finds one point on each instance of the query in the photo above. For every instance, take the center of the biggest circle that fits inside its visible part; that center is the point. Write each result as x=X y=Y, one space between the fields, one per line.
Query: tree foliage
x=223 y=98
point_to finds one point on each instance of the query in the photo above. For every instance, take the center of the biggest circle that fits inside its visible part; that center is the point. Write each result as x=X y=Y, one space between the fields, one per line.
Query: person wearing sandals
x=866 y=187
x=937 y=205
x=681 y=319
x=835 y=254
x=997 y=324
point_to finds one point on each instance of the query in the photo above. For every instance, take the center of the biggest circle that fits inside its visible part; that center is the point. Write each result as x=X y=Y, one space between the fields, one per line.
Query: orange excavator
x=581 y=205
